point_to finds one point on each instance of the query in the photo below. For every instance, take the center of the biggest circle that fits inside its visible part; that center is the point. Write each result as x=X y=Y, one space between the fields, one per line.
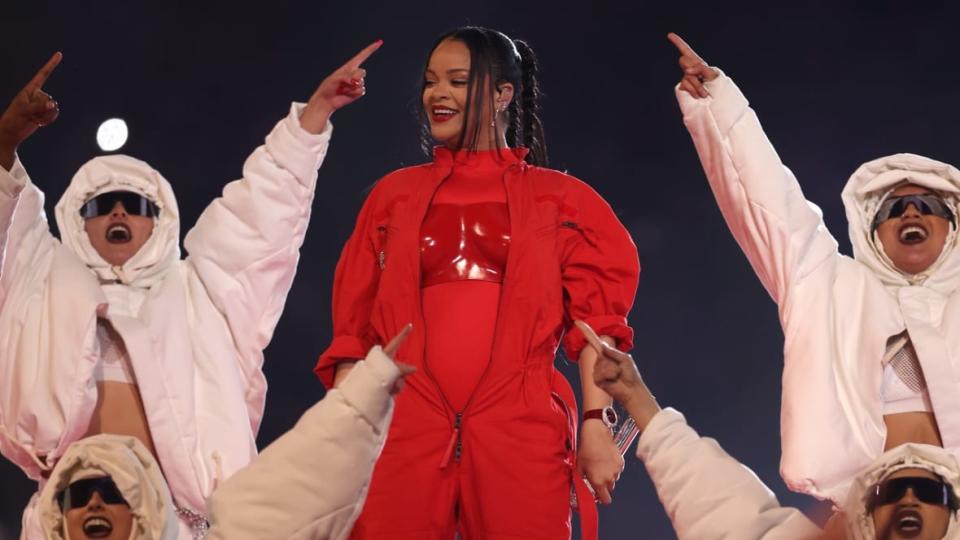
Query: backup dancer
x=107 y=330
x=911 y=491
x=309 y=483
x=871 y=356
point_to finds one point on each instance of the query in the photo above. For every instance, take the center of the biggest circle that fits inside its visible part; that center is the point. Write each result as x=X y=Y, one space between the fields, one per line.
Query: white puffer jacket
x=837 y=312
x=711 y=496
x=195 y=329
x=309 y=484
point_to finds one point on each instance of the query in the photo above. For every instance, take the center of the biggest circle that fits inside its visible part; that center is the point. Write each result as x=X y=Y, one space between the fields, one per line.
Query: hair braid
x=531 y=127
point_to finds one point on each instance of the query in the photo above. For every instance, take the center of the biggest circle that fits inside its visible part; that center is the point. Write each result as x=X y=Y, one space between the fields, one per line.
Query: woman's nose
x=95 y=503
x=908 y=497
x=118 y=209
x=911 y=210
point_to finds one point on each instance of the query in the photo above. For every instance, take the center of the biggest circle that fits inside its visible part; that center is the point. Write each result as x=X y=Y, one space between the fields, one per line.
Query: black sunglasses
x=925 y=203
x=133 y=203
x=927 y=490
x=79 y=493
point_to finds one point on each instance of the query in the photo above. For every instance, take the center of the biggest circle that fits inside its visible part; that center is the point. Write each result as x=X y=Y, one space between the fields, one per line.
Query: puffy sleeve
x=355 y=286
x=707 y=493
x=246 y=245
x=781 y=233
x=23 y=224
x=599 y=271
x=48 y=303
x=312 y=481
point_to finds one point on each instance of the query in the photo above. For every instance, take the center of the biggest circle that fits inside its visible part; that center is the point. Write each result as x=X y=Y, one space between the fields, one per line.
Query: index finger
x=392 y=347
x=682 y=46
x=44 y=73
x=592 y=338
x=362 y=56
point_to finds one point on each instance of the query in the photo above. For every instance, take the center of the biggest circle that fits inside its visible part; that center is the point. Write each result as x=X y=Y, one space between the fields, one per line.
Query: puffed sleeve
x=354 y=290
x=600 y=269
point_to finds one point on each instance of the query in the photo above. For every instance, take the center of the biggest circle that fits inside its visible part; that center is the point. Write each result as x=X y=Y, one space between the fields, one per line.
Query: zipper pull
x=382 y=259
x=455 y=446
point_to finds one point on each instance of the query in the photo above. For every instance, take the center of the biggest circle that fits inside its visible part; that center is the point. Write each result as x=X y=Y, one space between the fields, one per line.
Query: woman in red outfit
x=492 y=257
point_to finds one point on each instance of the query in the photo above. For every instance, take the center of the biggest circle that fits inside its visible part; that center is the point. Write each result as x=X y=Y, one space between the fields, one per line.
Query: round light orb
x=112 y=134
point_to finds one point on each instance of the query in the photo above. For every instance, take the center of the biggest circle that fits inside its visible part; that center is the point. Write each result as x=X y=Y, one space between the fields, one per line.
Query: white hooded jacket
x=134 y=471
x=710 y=495
x=309 y=484
x=194 y=329
x=837 y=312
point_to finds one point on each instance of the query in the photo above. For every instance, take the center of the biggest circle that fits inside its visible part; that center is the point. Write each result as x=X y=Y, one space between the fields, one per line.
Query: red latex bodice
x=464 y=242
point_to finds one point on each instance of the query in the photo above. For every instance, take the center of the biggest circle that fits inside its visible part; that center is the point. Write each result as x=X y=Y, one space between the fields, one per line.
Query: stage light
x=112 y=134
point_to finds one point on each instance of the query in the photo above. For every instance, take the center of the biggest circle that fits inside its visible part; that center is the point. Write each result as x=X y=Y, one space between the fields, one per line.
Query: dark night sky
x=201 y=83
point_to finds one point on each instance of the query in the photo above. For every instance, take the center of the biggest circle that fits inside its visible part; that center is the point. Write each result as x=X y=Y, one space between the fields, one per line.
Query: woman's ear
x=504 y=95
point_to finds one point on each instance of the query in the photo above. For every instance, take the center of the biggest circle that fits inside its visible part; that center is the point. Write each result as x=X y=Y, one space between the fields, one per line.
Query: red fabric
x=464 y=246
x=569 y=258
x=467 y=241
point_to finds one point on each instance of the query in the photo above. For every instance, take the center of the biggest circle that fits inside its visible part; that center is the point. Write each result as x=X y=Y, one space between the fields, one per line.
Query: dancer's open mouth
x=909 y=523
x=97 y=527
x=118 y=233
x=913 y=233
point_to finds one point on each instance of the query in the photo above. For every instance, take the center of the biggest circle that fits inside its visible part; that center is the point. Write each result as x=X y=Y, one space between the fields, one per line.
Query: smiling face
x=448 y=105
x=99 y=520
x=909 y=517
x=445 y=91
x=913 y=241
x=117 y=236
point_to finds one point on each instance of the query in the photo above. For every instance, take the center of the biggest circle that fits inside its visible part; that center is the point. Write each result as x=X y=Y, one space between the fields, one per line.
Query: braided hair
x=495 y=59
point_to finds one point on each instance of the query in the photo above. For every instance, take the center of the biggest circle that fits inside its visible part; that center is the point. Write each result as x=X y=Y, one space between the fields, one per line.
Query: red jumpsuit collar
x=501 y=156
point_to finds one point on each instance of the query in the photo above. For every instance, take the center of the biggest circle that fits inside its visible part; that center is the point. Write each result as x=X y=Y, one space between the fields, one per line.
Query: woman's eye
x=428 y=84
x=459 y=82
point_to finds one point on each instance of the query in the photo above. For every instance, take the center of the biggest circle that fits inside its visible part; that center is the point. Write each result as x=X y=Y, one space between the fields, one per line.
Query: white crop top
x=903 y=389
x=114 y=364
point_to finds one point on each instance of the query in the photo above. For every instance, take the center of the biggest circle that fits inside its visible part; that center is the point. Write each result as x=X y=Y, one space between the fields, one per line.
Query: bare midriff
x=911 y=427
x=119 y=411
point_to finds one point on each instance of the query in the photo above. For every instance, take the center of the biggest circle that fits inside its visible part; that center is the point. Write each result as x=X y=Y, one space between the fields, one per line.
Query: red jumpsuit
x=491 y=259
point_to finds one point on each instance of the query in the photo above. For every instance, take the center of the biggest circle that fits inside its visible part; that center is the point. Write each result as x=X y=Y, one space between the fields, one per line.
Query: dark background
x=201 y=83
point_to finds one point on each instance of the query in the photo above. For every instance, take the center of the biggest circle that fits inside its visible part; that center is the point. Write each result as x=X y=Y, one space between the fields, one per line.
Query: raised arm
x=781 y=233
x=312 y=481
x=707 y=493
x=246 y=244
x=29 y=110
x=41 y=352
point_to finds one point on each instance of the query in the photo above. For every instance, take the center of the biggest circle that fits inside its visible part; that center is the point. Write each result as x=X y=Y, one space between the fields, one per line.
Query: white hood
x=868 y=187
x=134 y=471
x=907 y=456
x=113 y=173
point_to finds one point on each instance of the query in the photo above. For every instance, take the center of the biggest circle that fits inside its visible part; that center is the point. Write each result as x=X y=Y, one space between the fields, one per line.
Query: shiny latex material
x=464 y=242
